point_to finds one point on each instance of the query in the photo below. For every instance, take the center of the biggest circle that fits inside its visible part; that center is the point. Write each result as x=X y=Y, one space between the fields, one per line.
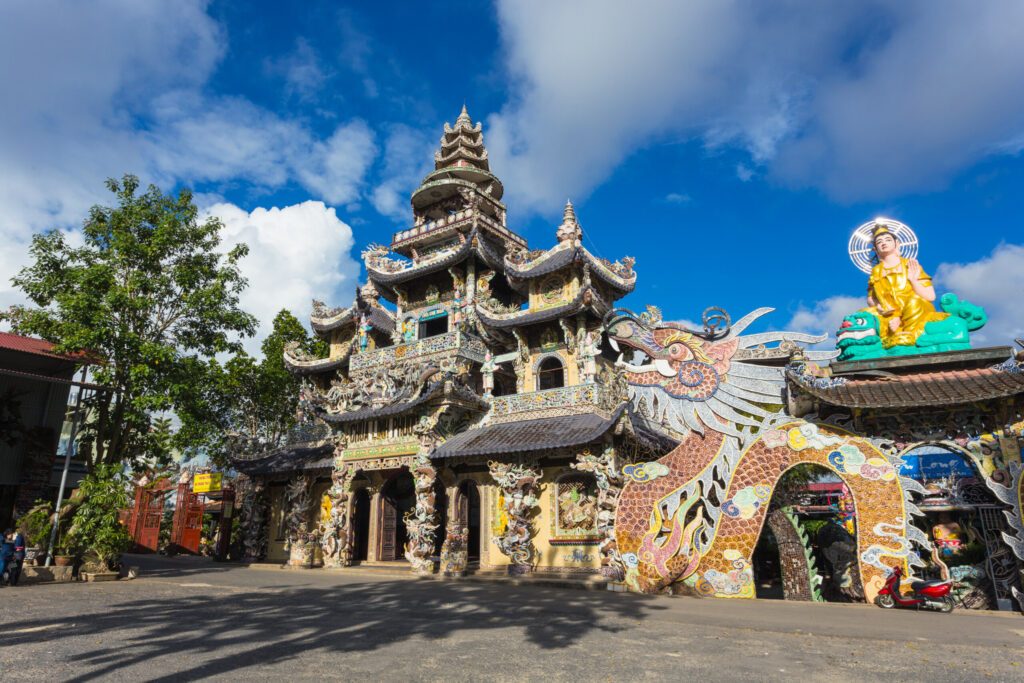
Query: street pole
x=75 y=419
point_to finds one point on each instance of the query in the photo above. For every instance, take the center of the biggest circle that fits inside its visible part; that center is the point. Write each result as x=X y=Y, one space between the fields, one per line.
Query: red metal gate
x=146 y=515
x=188 y=520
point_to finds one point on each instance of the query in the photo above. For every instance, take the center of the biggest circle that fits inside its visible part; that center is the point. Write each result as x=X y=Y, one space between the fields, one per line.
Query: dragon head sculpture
x=689 y=380
x=858 y=336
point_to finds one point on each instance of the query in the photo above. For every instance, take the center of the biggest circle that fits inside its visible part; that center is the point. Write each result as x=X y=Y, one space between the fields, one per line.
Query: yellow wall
x=547 y=555
x=275 y=539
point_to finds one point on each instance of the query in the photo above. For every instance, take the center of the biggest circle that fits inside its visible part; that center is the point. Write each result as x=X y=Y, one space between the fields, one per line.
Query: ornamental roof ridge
x=387 y=276
x=588 y=297
x=530 y=265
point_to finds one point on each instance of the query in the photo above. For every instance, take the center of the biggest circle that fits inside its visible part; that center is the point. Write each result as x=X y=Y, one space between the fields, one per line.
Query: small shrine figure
x=364 y=333
x=900 y=292
x=457 y=310
x=409 y=330
x=590 y=349
x=947 y=535
x=487 y=371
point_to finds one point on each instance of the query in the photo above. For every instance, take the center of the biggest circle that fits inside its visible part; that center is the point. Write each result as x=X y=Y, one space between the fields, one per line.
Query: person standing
x=6 y=555
x=19 y=557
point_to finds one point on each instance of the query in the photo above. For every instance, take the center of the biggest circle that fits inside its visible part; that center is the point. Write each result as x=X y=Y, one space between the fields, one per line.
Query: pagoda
x=467 y=390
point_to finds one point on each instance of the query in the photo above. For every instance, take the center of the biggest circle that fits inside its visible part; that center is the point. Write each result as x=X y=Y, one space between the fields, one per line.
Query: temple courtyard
x=188 y=618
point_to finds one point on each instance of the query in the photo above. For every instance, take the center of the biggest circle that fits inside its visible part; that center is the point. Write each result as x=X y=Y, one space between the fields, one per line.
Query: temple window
x=433 y=326
x=550 y=374
x=576 y=505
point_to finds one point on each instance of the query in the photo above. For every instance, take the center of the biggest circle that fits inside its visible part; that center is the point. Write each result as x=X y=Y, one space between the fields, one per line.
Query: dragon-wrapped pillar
x=334 y=531
x=518 y=483
x=253 y=518
x=609 y=484
x=421 y=521
x=299 y=541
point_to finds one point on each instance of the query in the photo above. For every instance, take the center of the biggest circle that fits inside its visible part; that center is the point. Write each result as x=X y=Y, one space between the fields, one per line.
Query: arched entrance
x=396 y=499
x=468 y=511
x=360 y=525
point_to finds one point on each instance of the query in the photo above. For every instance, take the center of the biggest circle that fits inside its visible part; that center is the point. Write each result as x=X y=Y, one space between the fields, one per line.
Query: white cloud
x=678 y=198
x=825 y=316
x=995 y=283
x=99 y=88
x=864 y=101
x=296 y=253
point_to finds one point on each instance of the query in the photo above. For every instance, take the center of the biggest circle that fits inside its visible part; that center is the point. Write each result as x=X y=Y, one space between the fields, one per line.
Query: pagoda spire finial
x=464 y=116
x=570 y=229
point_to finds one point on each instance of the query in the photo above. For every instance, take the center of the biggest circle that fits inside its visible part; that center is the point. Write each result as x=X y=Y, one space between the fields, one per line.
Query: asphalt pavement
x=189 y=619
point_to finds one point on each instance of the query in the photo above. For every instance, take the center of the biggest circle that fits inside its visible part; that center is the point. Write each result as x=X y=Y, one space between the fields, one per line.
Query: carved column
x=518 y=483
x=299 y=541
x=605 y=469
x=421 y=521
x=334 y=531
x=254 y=518
x=455 y=551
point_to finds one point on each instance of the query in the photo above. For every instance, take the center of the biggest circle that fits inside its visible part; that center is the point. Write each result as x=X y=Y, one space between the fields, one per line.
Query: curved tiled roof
x=475 y=244
x=432 y=390
x=293 y=458
x=528 y=435
x=527 y=317
x=562 y=255
x=917 y=389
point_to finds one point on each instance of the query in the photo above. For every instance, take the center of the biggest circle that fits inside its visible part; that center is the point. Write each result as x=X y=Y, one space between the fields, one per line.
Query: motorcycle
x=929 y=594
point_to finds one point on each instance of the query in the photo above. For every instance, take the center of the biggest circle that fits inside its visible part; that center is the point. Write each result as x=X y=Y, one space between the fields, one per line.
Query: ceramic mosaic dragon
x=693 y=516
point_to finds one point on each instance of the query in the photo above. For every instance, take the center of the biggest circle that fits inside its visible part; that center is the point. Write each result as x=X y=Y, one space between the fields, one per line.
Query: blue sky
x=731 y=147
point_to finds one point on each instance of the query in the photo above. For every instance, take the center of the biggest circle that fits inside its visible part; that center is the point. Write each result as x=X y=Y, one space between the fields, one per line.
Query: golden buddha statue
x=900 y=293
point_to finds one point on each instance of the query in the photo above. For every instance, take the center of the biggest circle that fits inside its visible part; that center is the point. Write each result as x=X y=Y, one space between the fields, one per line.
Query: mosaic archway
x=879 y=499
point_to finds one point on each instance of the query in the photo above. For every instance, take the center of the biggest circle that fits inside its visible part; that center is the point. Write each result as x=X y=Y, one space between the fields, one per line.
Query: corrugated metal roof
x=36 y=347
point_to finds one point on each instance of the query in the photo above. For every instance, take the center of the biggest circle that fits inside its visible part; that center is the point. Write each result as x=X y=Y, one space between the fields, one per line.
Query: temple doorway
x=468 y=501
x=397 y=498
x=360 y=525
x=964 y=522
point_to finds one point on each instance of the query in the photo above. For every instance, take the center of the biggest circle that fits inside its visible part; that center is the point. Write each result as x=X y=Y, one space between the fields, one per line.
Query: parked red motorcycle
x=928 y=594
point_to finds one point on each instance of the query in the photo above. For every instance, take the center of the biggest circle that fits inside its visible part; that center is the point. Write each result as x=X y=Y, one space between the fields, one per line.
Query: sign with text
x=207 y=483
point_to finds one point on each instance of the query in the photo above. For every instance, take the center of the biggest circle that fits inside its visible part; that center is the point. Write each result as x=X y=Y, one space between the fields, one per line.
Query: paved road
x=187 y=619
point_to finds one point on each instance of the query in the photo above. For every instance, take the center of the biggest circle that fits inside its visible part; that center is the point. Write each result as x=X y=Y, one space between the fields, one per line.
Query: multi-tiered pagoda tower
x=468 y=413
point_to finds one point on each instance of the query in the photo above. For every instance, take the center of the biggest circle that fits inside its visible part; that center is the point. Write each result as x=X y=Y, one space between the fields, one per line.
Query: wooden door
x=388 y=529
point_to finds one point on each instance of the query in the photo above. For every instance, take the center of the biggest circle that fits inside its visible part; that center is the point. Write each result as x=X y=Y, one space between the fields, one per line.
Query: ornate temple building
x=486 y=407
x=469 y=414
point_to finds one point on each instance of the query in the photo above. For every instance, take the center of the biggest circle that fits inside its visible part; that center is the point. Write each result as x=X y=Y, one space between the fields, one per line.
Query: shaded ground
x=187 y=619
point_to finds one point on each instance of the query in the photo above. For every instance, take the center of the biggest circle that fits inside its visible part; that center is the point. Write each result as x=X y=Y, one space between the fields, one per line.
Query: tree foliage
x=251 y=405
x=150 y=298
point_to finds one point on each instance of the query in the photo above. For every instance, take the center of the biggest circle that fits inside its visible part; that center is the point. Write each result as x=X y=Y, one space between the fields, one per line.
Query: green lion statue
x=859 y=339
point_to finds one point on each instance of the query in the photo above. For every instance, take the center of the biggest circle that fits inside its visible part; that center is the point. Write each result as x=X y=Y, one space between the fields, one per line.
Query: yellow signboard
x=207 y=483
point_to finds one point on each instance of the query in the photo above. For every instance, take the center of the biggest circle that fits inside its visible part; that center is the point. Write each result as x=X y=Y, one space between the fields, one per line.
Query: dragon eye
x=860 y=321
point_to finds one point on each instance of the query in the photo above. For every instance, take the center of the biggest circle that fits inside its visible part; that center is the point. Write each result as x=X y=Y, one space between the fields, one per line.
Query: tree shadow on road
x=261 y=627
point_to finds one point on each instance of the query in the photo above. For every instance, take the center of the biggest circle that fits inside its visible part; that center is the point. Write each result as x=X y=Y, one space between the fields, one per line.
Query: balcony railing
x=450 y=343
x=574 y=400
x=463 y=217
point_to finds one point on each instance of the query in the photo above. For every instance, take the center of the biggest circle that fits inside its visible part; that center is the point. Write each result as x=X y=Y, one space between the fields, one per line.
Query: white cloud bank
x=97 y=88
x=297 y=253
x=863 y=100
x=995 y=283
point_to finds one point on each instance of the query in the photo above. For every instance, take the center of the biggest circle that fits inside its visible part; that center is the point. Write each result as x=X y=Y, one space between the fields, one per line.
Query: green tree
x=253 y=403
x=150 y=298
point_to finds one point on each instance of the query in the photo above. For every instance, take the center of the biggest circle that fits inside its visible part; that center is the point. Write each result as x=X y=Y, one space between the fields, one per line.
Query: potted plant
x=97 y=529
x=36 y=525
x=65 y=551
